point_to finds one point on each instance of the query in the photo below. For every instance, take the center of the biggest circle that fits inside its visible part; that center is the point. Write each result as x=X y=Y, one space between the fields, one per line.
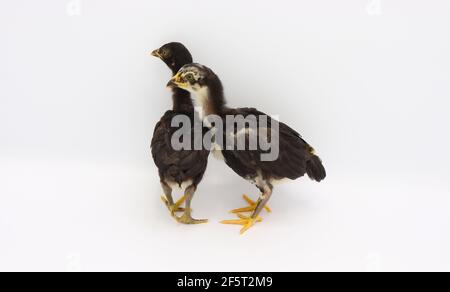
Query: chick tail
x=315 y=169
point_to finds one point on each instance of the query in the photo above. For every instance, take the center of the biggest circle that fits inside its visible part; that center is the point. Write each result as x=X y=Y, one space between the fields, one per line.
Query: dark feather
x=295 y=155
x=177 y=165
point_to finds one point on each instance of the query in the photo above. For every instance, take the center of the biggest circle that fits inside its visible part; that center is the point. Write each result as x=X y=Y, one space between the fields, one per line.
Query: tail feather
x=315 y=169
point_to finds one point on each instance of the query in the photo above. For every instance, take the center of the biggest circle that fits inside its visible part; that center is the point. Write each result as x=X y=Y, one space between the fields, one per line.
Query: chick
x=177 y=168
x=294 y=159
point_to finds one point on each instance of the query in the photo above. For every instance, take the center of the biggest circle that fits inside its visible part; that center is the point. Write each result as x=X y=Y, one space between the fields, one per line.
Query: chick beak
x=171 y=84
x=155 y=53
x=176 y=81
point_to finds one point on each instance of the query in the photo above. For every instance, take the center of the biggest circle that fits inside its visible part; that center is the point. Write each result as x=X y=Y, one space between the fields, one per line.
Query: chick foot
x=250 y=208
x=187 y=219
x=246 y=222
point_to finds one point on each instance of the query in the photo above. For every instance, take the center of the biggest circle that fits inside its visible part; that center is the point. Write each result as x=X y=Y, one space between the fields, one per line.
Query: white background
x=367 y=82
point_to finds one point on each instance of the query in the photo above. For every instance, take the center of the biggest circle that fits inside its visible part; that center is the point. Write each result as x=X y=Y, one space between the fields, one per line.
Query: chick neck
x=181 y=99
x=210 y=99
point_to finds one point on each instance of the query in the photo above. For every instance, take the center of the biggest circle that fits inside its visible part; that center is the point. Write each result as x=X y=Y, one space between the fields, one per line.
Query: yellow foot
x=175 y=207
x=250 y=208
x=247 y=222
x=187 y=219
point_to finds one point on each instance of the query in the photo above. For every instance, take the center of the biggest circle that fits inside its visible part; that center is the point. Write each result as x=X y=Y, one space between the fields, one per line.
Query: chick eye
x=165 y=53
x=190 y=77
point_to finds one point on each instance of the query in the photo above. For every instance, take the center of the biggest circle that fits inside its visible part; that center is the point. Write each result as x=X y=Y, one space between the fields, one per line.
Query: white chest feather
x=183 y=186
x=201 y=102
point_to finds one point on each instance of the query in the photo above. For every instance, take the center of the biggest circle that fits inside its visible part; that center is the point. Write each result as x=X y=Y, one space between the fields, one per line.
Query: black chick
x=295 y=159
x=177 y=168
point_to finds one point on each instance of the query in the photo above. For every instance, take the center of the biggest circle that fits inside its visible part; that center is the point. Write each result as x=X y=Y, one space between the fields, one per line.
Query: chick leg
x=187 y=218
x=168 y=200
x=248 y=222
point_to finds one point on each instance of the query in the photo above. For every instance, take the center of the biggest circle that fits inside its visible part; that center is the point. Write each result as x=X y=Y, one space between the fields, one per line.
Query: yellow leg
x=246 y=222
x=250 y=208
x=176 y=207
x=180 y=202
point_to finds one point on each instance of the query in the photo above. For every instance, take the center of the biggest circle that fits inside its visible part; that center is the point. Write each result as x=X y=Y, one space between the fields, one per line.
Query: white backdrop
x=367 y=82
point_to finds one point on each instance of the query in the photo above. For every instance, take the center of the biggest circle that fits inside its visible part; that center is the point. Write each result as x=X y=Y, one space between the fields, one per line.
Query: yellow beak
x=177 y=81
